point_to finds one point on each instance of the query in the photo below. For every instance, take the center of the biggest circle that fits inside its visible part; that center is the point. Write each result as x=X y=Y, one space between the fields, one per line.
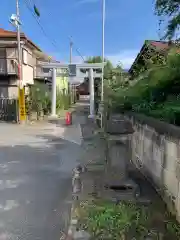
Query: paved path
x=36 y=165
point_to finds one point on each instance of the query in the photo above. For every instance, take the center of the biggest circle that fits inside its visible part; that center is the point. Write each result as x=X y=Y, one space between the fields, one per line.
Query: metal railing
x=8 y=110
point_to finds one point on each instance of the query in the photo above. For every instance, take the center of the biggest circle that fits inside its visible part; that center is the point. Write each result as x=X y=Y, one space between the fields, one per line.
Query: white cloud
x=125 y=57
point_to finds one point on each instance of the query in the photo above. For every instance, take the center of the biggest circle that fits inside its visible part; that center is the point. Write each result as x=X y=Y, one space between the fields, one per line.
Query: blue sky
x=128 y=24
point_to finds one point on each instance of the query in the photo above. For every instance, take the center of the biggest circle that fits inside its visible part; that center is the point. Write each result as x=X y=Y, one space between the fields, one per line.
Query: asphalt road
x=35 y=183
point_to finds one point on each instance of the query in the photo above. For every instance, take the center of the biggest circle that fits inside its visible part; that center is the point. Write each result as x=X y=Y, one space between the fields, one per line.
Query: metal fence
x=8 y=110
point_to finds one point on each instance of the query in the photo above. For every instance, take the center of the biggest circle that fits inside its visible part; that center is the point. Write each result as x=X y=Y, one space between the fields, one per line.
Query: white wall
x=11 y=52
x=28 y=63
x=28 y=74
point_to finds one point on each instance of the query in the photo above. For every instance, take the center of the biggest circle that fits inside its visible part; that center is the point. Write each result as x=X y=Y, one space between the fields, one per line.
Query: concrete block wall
x=156 y=152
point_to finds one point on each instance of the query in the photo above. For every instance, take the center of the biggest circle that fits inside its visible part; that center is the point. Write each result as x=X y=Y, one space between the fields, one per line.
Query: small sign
x=72 y=70
x=22 y=107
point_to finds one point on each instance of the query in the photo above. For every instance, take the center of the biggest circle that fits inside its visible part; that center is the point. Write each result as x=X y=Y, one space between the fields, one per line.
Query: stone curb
x=73 y=232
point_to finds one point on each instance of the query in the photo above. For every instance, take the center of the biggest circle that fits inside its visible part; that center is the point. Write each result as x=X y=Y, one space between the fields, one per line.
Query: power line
x=70 y=38
x=43 y=30
x=78 y=52
x=39 y=23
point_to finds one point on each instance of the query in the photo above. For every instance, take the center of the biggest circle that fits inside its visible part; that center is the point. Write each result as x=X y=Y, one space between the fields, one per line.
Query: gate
x=8 y=110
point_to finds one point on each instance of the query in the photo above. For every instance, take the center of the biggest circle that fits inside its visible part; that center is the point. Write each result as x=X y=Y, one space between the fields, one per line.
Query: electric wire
x=39 y=23
x=53 y=43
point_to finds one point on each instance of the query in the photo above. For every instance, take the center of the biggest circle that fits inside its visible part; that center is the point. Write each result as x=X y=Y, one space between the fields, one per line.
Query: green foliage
x=109 y=221
x=173 y=228
x=38 y=99
x=151 y=94
x=169 y=111
x=115 y=86
x=96 y=59
x=105 y=220
x=113 y=79
x=62 y=100
x=171 y=10
x=108 y=67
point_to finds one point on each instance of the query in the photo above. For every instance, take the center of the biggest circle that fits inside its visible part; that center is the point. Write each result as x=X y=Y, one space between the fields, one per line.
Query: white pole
x=91 y=82
x=71 y=48
x=70 y=78
x=103 y=60
x=53 y=104
x=103 y=30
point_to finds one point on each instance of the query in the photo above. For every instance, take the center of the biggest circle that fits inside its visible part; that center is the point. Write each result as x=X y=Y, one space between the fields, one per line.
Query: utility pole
x=103 y=30
x=18 y=39
x=102 y=81
x=15 y=19
x=71 y=46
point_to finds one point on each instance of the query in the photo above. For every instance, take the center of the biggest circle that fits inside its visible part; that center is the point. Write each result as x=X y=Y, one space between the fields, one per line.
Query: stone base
x=91 y=116
x=51 y=117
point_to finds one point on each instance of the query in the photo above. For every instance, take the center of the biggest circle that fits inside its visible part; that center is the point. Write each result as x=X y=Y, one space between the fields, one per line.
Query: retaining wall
x=156 y=152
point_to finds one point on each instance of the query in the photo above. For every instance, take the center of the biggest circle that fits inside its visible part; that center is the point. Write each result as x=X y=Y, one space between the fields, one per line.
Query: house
x=8 y=63
x=43 y=74
x=83 y=88
x=149 y=50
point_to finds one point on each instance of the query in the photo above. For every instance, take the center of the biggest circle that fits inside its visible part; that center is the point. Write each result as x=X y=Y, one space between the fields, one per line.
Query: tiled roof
x=158 y=45
x=10 y=34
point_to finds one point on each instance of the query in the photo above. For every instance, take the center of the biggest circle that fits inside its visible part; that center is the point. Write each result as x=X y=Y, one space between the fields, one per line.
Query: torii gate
x=72 y=68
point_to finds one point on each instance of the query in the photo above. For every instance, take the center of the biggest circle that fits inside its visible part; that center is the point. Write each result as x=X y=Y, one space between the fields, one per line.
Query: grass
x=127 y=221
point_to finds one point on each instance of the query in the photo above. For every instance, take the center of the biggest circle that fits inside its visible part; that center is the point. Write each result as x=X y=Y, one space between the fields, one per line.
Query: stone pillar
x=91 y=88
x=53 y=99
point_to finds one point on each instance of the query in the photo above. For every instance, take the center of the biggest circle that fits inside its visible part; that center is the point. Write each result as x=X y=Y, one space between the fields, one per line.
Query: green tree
x=97 y=59
x=38 y=100
x=170 y=9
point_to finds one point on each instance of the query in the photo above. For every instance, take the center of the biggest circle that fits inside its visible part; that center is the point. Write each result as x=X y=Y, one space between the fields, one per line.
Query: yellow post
x=22 y=106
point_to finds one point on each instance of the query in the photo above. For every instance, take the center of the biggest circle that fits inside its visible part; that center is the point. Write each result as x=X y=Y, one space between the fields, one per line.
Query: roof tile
x=160 y=45
x=5 y=33
x=10 y=34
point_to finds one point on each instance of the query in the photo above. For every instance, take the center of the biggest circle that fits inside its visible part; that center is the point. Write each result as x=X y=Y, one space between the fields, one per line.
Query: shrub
x=105 y=220
x=150 y=94
x=63 y=100
x=38 y=100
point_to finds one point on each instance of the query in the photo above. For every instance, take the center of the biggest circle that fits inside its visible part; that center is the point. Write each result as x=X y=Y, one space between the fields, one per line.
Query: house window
x=25 y=57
